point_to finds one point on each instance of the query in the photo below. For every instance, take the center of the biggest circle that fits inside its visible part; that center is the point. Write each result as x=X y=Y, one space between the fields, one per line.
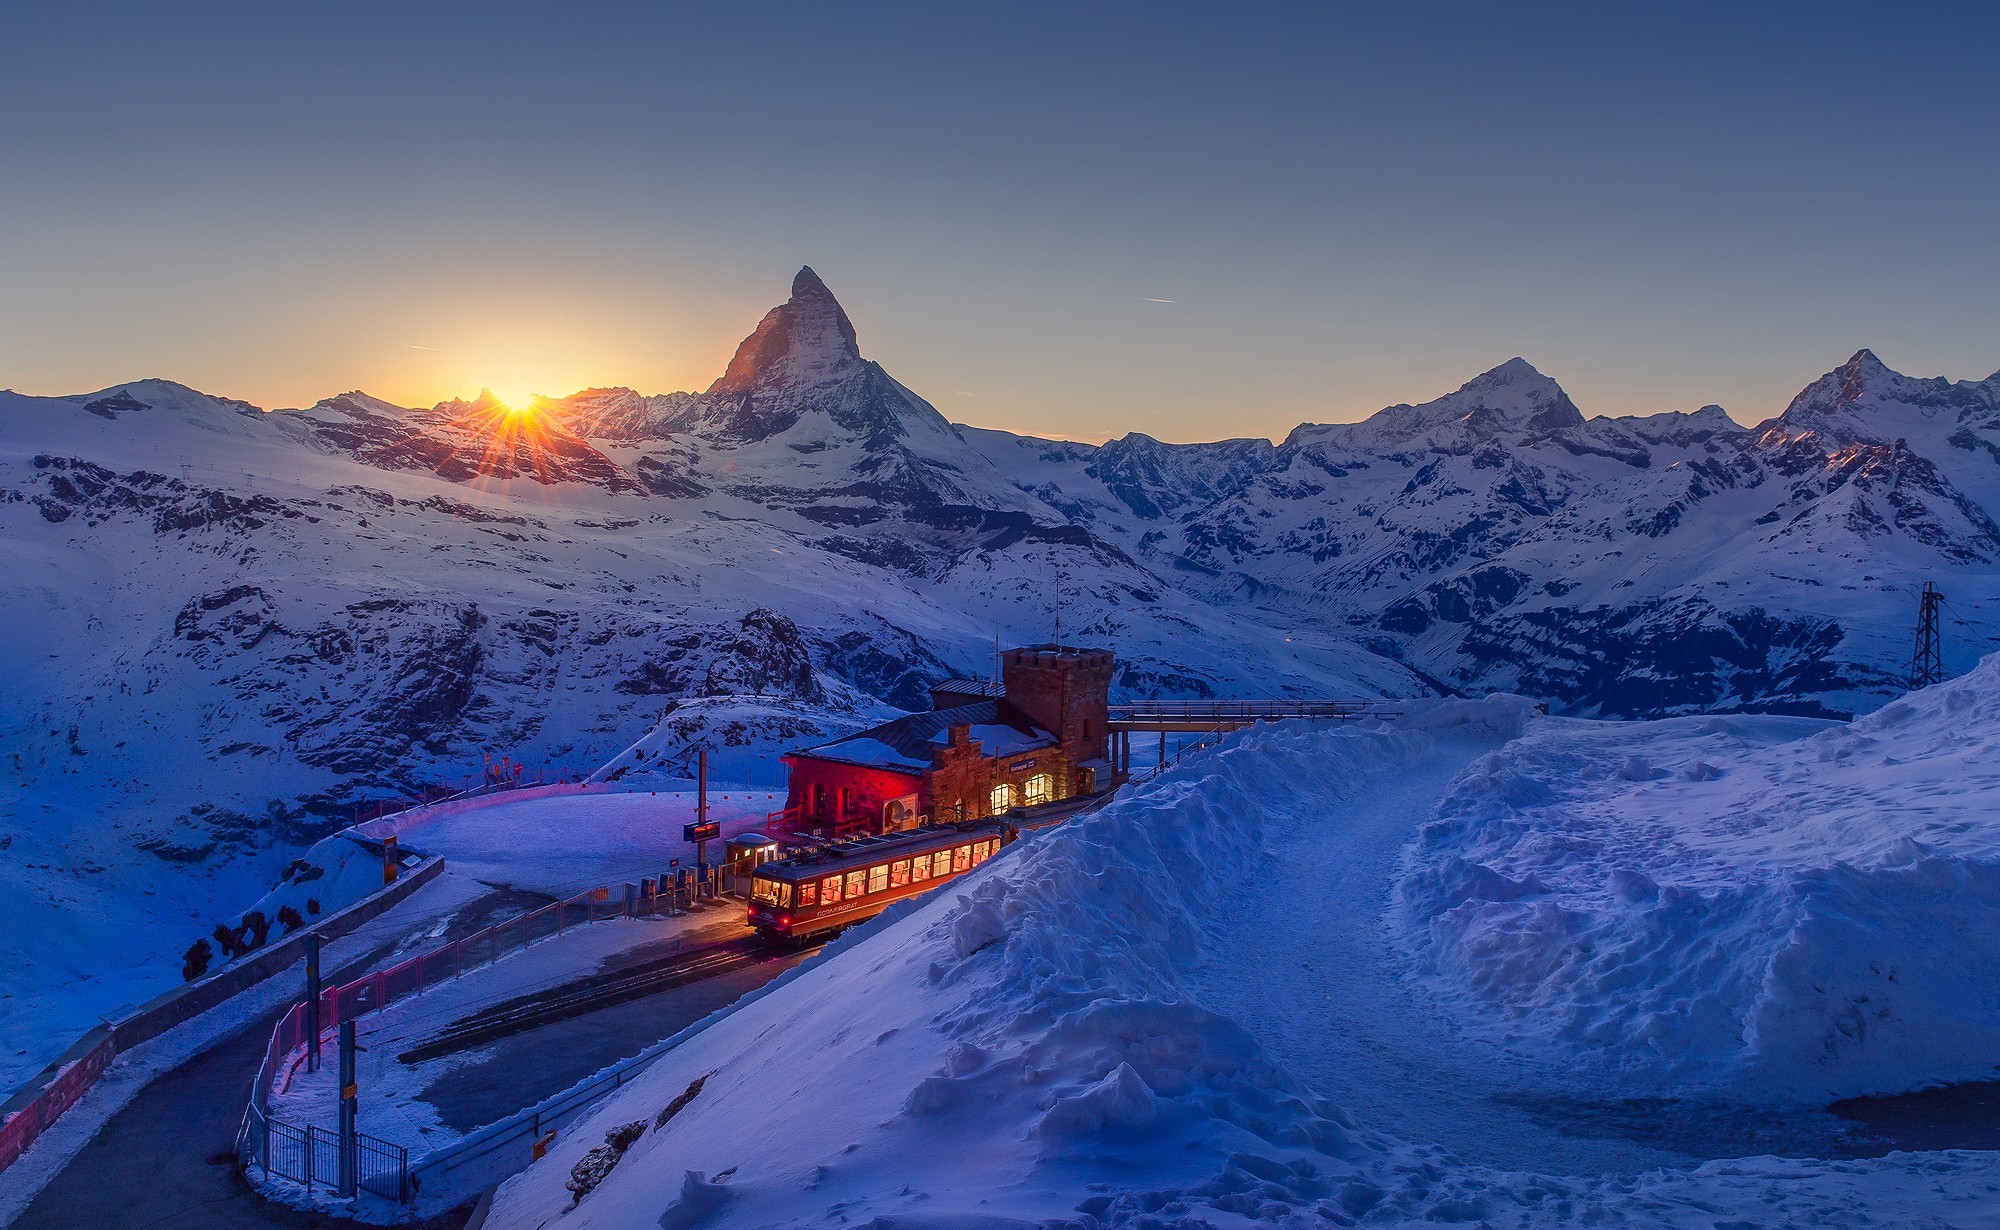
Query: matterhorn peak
x=807 y=340
x=808 y=285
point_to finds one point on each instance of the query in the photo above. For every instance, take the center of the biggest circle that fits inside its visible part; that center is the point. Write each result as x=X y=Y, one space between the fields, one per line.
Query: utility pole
x=312 y=1000
x=701 y=813
x=350 y=1144
x=1927 y=657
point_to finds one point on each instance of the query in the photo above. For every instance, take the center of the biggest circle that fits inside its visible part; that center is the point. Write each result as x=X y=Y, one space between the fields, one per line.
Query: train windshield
x=771 y=892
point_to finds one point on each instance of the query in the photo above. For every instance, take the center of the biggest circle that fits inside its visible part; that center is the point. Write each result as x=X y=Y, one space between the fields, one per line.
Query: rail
x=1206 y=739
x=261 y=1141
x=29 y=1113
x=1246 y=710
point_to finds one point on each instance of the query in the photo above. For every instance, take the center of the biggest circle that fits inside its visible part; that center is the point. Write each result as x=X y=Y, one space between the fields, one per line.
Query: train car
x=827 y=888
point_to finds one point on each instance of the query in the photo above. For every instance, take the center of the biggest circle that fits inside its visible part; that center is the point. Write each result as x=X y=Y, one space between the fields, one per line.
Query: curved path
x=1340 y=1005
x=1380 y=1051
x=166 y=1160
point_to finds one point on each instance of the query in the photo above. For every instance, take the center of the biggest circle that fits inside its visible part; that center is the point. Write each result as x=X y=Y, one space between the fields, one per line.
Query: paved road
x=167 y=1160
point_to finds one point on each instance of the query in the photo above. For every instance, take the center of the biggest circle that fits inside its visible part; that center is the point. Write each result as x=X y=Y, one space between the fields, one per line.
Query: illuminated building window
x=1003 y=798
x=1041 y=788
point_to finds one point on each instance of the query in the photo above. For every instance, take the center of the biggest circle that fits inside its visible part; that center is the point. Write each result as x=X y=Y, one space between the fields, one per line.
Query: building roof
x=905 y=744
x=864 y=851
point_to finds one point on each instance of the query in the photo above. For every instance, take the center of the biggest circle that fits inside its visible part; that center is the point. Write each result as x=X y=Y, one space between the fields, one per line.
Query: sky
x=1077 y=220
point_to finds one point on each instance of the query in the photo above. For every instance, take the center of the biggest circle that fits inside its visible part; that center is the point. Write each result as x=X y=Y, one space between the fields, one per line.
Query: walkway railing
x=33 y=1110
x=270 y=1144
x=1246 y=710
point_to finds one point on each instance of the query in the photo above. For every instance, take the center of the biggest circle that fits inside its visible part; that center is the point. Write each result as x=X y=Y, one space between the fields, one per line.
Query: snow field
x=1782 y=910
x=566 y=844
x=1038 y=1043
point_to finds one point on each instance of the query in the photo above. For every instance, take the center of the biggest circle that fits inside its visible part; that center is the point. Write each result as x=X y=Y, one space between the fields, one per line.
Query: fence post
x=312 y=999
x=350 y=1168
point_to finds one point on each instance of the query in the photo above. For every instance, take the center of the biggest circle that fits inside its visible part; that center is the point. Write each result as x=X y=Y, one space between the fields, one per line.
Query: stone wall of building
x=961 y=781
x=1066 y=691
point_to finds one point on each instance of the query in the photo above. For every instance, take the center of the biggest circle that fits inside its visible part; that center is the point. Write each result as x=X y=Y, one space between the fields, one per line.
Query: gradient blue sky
x=1661 y=205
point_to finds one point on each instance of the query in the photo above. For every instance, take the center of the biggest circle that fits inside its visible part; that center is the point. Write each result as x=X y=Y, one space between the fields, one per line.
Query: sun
x=518 y=401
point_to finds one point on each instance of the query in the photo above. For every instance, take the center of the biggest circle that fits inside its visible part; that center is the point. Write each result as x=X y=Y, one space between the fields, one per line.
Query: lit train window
x=978 y=853
x=961 y=858
x=765 y=891
x=899 y=873
x=920 y=868
x=1041 y=788
x=857 y=883
x=809 y=892
x=829 y=890
x=878 y=877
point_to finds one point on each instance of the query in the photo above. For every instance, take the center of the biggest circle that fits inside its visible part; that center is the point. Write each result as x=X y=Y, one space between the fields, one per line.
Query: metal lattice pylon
x=1927 y=658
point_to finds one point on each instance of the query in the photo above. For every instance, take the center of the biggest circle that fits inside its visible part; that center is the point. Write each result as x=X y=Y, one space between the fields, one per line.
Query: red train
x=827 y=888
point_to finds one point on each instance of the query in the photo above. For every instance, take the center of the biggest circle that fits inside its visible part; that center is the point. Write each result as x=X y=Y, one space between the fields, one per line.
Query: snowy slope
x=1728 y=903
x=1050 y=1042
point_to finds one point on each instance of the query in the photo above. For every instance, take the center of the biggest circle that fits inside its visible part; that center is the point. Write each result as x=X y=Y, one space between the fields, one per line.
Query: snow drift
x=1026 y=1049
x=1731 y=901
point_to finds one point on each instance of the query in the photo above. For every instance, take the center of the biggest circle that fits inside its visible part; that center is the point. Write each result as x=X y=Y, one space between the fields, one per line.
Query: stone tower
x=1066 y=691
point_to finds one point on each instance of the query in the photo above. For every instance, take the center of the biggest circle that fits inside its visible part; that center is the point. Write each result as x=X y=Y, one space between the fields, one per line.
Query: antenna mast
x=1927 y=657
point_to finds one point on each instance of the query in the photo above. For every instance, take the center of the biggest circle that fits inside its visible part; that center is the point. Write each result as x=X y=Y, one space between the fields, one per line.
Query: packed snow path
x=1308 y=964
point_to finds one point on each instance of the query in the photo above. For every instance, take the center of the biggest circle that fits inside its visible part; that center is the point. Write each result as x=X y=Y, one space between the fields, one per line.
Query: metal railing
x=1243 y=710
x=262 y=1141
x=1206 y=739
x=311 y=1156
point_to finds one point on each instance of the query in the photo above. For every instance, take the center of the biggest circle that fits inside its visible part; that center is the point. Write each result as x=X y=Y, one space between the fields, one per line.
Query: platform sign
x=701 y=832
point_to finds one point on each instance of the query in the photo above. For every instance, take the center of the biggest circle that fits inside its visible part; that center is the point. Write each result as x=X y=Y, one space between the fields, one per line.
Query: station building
x=983 y=749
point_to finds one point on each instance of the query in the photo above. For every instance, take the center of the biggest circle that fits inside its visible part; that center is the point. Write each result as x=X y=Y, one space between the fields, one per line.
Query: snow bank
x=1790 y=909
x=1023 y=1049
x=992 y=1047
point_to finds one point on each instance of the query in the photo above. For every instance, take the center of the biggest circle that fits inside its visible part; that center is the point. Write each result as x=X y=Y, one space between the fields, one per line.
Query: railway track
x=586 y=995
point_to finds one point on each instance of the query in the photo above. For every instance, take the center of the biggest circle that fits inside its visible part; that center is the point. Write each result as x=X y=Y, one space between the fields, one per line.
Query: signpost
x=702 y=831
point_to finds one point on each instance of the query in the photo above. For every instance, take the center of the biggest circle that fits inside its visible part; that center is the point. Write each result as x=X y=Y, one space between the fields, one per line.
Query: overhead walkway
x=1207 y=717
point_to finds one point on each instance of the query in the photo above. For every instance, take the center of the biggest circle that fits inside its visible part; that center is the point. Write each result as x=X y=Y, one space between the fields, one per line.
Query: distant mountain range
x=227 y=625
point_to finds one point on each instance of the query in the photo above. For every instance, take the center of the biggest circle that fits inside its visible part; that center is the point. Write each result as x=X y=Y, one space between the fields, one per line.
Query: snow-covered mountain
x=1497 y=539
x=228 y=626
